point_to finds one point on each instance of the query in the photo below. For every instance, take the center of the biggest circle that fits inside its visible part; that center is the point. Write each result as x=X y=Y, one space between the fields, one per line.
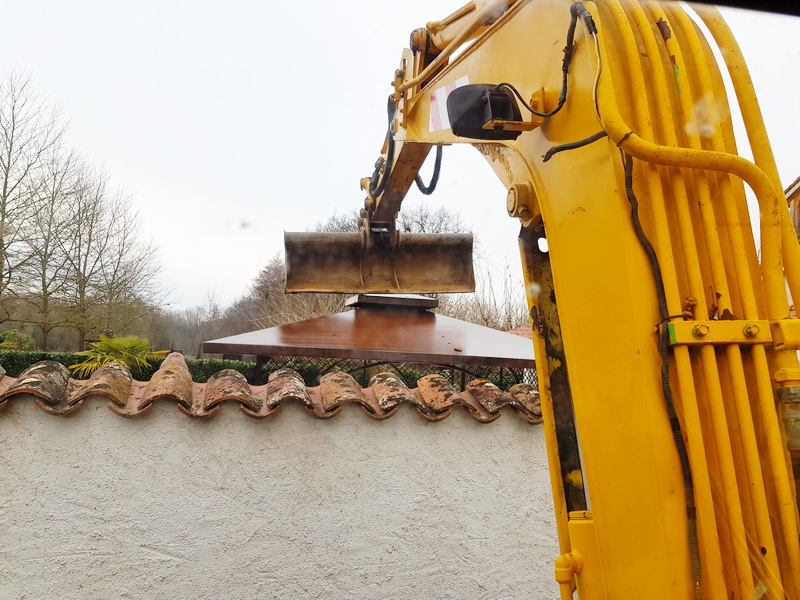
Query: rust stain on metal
x=497 y=154
x=663 y=27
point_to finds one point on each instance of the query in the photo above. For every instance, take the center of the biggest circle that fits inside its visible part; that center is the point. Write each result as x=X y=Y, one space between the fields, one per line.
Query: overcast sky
x=232 y=122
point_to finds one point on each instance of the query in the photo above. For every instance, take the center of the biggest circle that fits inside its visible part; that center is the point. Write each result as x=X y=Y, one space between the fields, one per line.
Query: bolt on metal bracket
x=719 y=332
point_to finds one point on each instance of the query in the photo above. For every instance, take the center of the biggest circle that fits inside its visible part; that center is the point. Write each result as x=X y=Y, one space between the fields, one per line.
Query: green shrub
x=309 y=371
x=15 y=362
x=203 y=368
x=16 y=340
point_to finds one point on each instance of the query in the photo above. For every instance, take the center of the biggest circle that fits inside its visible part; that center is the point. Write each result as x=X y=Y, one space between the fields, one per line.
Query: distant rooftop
x=792 y=190
x=792 y=194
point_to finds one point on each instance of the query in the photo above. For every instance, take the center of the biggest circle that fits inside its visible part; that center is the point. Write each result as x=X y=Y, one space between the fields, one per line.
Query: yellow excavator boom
x=666 y=351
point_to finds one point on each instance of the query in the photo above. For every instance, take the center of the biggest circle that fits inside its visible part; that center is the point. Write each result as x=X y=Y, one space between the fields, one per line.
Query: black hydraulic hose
x=376 y=188
x=663 y=347
x=573 y=145
x=437 y=167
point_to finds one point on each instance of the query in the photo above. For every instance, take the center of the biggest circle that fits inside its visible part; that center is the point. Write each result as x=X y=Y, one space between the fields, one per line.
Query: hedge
x=15 y=362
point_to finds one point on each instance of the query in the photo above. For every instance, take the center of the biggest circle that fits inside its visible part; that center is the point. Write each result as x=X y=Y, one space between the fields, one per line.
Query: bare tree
x=45 y=273
x=71 y=248
x=424 y=219
x=112 y=273
x=498 y=302
x=190 y=327
x=418 y=219
x=129 y=278
x=84 y=248
x=29 y=129
x=269 y=306
x=348 y=221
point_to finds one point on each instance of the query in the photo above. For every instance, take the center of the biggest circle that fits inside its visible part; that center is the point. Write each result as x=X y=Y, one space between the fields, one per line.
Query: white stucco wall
x=94 y=506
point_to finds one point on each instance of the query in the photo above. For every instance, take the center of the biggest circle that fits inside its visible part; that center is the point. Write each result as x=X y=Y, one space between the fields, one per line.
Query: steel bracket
x=786 y=334
x=719 y=332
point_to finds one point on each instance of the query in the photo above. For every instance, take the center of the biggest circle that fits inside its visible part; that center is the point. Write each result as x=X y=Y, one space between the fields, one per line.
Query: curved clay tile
x=283 y=385
x=223 y=386
x=56 y=393
x=172 y=381
x=438 y=394
x=488 y=399
x=112 y=380
x=337 y=389
x=391 y=391
x=48 y=382
x=526 y=401
x=286 y=384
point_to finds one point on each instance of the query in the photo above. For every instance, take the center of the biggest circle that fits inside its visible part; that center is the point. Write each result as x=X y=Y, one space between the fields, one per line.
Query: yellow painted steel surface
x=648 y=79
x=719 y=332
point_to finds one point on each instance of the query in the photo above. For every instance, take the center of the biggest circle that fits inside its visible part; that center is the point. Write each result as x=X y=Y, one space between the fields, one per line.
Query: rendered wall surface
x=95 y=506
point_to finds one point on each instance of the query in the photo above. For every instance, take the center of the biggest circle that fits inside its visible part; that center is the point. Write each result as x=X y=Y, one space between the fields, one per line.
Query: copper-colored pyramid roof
x=386 y=328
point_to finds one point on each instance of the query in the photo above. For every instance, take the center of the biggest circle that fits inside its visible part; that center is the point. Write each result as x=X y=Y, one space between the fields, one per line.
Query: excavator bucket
x=339 y=262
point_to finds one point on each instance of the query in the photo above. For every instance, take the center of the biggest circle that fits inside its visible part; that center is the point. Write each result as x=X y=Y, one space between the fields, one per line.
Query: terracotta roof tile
x=224 y=386
x=433 y=398
x=438 y=394
x=524 y=331
x=792 y=190
x=172 y=381
x=112 y=380
x=391 y=391
x=48 y=381
x=491 y=397
x=286 y=384
x=338 y=388
x=523 y=397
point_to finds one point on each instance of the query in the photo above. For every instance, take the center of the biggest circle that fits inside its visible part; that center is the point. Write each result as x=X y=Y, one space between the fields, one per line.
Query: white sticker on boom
x=439 y=119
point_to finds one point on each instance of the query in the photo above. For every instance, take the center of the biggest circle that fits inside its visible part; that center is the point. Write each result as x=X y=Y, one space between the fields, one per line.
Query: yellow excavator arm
x=666 y=354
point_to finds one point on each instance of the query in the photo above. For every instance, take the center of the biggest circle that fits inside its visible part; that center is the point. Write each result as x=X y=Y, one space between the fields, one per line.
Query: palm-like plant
x=131 y=351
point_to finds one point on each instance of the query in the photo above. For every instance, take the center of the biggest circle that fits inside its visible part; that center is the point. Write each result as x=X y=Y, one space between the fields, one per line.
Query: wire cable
x=663 y=348
x=576 y=10
x=574 y=145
